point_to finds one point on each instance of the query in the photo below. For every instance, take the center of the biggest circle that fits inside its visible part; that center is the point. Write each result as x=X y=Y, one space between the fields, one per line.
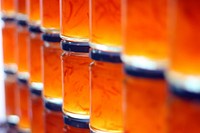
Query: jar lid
x=8 y=19
x=23 y=23
x=35 y=29
x=53 y=106
x=144 y=73
x=36 y=91
x=51 y=37
x=82 y=47
x=99 y=55
x=9 y=72
x=184 y=93
x=22 y=80
x=78 y=123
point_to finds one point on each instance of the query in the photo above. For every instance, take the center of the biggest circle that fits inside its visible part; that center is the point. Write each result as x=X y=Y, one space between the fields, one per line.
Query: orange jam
x=106 y=92
x=75 y=20
x=105 y=18
x=76 y=92
x=50 y=15
x=145 y=104
x=8 y=7
x=71 y=129
x=33 y=11
x=145 y=33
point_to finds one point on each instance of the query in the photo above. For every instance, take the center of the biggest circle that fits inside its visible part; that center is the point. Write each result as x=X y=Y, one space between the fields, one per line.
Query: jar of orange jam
x=22 y=49
x=184 y=110
x=52 y=82
x=10 y=83
x=33 y=11
x=50 y=15
x=76 y=92
x=8 y=8
x=106 y=92
x=75 y=20
x=37 y=111
x=145 y=43
x=105 y=25
x=9 y=30
x=53 y=118
x=20 y=6
x=24 y=106
x=144 y=101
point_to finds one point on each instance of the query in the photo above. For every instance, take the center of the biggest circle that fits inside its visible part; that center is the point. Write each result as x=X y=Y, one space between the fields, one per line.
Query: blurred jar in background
x=144 y=99
x=50 y=15
x=21 y=7
x=144 y=33
x=106 y=92
x=8 y=8
x=105 y=24
x=33 y=12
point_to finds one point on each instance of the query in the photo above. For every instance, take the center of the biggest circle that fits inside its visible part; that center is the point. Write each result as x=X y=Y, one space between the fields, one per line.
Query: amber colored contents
x=185 y=55
x=145 y=28
x=33 y=11
x=8 y=7
x=37 y=119
x=21 y=6
x=53 y=122
x=106 y=97
x=184 y=115
x=50 y=15
x=35 y=57
x=10 y=95
x=24 y=107
x=22 y=43
x=106 y=22
x=76 y=84
x=52 y=71
x=71 y=129
x=9 y=42
x=145 y=105
x=75 y=19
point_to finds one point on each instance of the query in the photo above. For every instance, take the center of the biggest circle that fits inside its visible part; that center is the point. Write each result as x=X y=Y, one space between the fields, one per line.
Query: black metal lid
x=138 y=72
x=51 y=37
x=53 y=106
x=99 y=55
x=36 y=91
x=23 y=23
x=78 y=123
x=35 y=29
x=23 y=81
x=8 y=19
x=9 y=72
x=184 y=93
x=82 y=47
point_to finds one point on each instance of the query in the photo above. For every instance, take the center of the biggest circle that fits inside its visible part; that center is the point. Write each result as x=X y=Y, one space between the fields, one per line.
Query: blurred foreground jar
x=11 y=98
x=144 y=99
x=53 y=118
x=51 y=53
x=145 y=43
x=8 y=8
x=105 y=24
x=9 y=31
x=33 y=12
x=24 y=106
x=75 y=70
x=106 y=92
x=75 y=27
x=50 y=15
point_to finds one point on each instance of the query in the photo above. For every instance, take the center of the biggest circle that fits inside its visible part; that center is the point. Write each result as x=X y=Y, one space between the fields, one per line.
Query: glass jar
x=8 y=8
x=105 y=24
x=9 y=31
x=75 y=27
x=53 y=118
x=76 y=95
x=184 y=53
x=24 y=105
x=20 y=7
x=35 y=44
x=184 y=110
x=145 y=33
x=10 y=83
x=22 y=49
x=33 y=11
x=37 y=111
x=52 y=82
x=106 y=92
x=50 y=16
x=144 y=99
